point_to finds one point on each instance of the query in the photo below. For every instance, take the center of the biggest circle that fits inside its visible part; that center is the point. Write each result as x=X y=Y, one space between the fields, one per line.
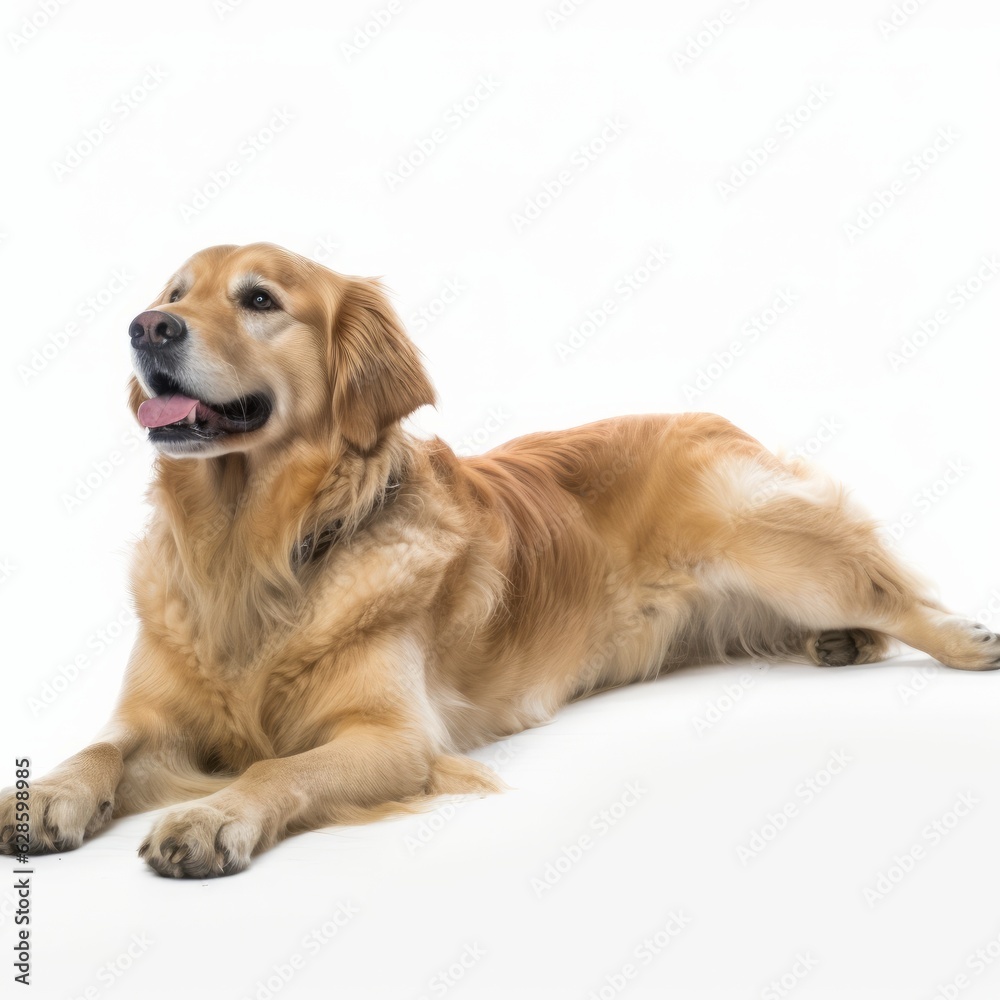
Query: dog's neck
x=239 y=538
x=268 y=518
x=316 y=543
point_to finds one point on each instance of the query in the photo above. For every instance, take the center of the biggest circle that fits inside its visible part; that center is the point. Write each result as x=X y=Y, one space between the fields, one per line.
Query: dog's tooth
x=191 y=417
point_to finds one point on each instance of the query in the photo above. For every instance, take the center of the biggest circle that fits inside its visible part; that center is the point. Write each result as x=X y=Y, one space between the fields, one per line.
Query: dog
x=332 y=612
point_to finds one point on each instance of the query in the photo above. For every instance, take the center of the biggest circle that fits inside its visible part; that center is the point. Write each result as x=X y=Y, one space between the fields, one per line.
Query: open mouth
x=173 y=416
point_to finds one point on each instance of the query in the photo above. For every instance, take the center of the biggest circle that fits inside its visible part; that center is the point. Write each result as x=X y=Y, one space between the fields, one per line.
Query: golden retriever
x=332 y=611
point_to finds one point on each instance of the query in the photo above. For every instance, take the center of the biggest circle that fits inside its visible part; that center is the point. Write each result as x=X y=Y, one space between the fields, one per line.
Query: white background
x=819 y=378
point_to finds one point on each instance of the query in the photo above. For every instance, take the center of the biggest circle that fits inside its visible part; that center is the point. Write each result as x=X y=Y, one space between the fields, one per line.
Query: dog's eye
x=258 y=299
x=174 y=295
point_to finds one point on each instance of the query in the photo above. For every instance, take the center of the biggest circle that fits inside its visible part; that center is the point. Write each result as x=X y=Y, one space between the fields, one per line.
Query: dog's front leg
x=370 y=762
x=79 y=797
x=71 y=802
x=140 y=760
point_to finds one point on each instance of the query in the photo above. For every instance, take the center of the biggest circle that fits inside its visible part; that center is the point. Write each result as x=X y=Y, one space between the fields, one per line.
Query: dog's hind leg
x=805 y=551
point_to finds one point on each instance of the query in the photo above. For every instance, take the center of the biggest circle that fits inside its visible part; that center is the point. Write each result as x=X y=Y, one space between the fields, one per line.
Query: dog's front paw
x=200 y=841
x=60 y=815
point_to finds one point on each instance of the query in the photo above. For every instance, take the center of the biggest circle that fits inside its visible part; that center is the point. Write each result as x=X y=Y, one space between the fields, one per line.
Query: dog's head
x=247 y=347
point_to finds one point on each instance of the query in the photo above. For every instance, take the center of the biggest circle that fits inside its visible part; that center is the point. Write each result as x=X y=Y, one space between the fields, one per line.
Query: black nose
x=155 y=329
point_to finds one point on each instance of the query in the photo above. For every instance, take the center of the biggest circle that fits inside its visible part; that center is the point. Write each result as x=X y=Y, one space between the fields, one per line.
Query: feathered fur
x=333 y=611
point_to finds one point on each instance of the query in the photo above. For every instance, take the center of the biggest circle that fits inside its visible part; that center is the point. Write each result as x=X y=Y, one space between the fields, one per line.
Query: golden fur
x=333 y=611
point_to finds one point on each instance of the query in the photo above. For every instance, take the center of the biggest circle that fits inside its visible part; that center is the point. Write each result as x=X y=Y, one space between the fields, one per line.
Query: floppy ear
x=378 y=377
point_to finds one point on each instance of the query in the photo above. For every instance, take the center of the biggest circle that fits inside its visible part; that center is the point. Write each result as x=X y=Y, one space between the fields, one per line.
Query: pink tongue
x=162 y=410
